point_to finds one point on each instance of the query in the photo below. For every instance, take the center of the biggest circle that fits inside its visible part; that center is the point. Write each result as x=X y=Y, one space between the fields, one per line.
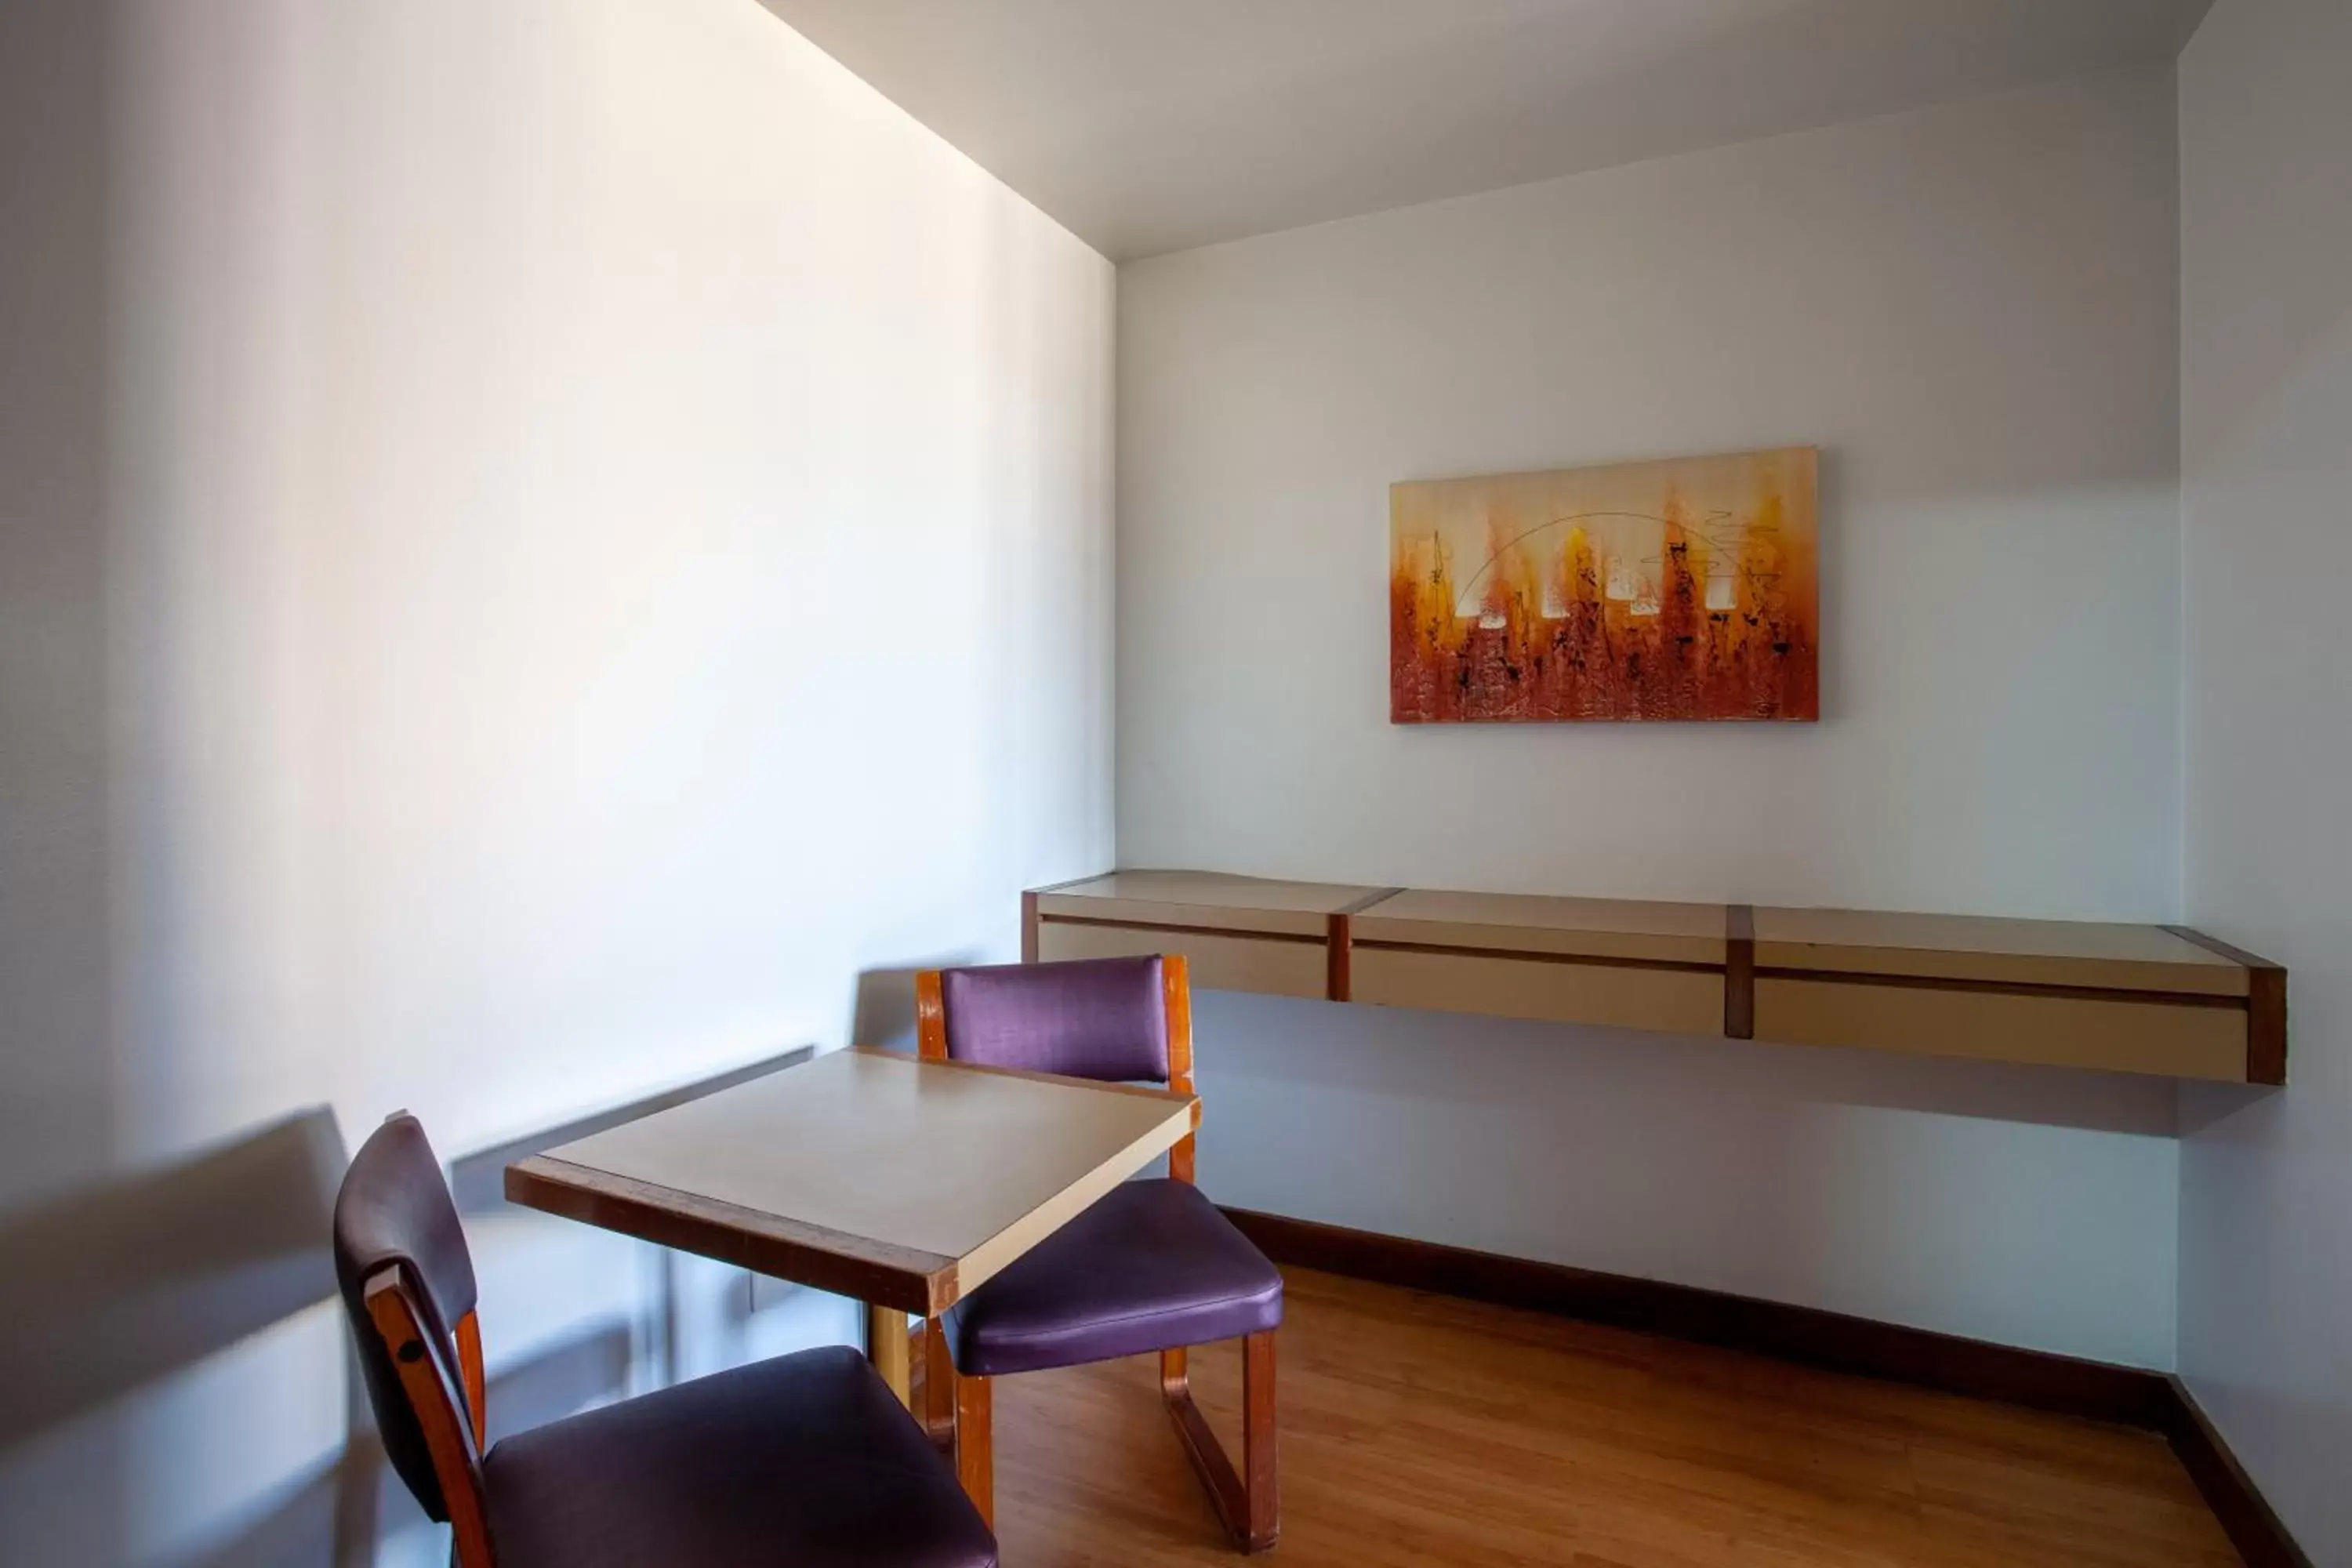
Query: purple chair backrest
x=1098 y=1017
x=394 y=1207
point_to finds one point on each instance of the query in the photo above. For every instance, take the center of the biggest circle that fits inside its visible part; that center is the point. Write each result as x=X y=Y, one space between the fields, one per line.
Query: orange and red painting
x=1683 y=589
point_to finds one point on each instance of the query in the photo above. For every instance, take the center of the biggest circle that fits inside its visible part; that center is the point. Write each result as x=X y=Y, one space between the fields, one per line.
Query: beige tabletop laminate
x=904 y=1183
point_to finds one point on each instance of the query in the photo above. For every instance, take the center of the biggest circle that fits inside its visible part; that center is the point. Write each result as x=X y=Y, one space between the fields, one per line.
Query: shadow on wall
x=345 y=1512
x=116 y=1286
x=2207 y=1105
x=1663 y=1068
x=477 y=1180
x=113 y=1289
x=882 y=1012
x=2025 y=1206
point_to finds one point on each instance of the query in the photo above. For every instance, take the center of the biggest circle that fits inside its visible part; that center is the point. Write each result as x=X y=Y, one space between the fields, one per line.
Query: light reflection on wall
x=441 y=449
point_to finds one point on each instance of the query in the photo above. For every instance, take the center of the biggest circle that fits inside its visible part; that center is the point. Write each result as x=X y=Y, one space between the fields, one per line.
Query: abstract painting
x=1682 y=589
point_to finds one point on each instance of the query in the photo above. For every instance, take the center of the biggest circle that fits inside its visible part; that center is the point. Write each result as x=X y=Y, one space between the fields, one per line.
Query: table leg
x=886 y=1347
x=976 y=1445
x=939 y=1388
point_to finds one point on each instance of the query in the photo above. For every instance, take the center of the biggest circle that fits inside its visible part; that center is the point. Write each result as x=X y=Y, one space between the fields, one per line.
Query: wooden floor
x=1421 y=1430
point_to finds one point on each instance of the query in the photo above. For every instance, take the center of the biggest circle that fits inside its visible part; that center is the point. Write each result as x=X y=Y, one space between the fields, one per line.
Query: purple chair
x=1152 y=1267
x=806 y=1461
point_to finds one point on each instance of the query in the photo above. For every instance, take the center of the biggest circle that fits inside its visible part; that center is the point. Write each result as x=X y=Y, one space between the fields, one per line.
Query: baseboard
x=2260 y=1536
x=1807 y=1336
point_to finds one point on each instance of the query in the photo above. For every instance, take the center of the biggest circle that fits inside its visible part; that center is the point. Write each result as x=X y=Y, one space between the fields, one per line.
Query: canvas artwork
x=1682 y=589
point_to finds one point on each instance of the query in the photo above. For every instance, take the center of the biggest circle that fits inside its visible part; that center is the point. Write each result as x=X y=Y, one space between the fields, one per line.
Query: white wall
x=1972 y=309
x=2266 y=457
x=570 y=530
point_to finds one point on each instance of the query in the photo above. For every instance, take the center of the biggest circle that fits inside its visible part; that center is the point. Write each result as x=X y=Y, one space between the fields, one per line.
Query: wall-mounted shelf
x=2116 y=998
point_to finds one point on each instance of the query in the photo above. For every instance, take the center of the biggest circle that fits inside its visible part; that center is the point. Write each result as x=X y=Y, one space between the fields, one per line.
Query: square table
x=903 y=1183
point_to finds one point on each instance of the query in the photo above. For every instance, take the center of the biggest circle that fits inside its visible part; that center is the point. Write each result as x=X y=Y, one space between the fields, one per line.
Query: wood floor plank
x=1420 y=1430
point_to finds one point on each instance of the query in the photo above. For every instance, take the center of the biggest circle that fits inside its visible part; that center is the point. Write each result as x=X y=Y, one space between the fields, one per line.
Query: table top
x=899 y=1181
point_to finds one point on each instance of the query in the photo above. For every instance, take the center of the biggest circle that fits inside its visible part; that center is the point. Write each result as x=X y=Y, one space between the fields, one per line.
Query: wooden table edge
x=1015 y=1241
x=905 y=1277
x=878 y=1273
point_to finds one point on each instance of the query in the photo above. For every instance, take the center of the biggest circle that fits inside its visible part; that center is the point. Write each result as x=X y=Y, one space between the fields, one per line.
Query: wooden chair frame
x=957 y=1409
x=447 y=1401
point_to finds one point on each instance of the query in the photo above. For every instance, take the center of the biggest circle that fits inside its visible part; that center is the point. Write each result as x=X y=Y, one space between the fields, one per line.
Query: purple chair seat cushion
x=1150 y=1267
x=806 y=1459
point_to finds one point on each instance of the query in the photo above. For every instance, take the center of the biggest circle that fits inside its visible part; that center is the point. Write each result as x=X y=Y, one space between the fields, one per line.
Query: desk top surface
x=1969 y=948
x=1208 y=899
x=2052 y=951
x=1547 y=912
x=2170 y=1000
x=1217 y=890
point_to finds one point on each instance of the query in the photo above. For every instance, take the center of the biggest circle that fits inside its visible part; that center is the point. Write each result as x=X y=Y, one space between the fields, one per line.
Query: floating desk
x=1241 y=933
x=2118 y=998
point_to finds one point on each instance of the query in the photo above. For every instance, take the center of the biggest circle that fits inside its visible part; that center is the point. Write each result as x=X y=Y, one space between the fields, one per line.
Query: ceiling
x=1153 y=125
